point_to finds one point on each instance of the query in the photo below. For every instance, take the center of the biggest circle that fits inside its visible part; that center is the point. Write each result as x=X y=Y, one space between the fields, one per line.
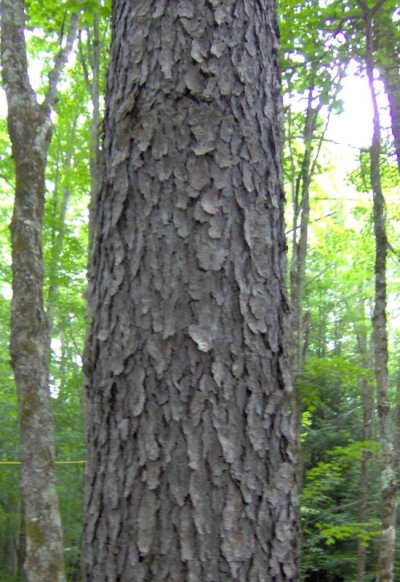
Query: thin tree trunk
x=191 y=468
x=301 y=217
x=11 y=548
x=301 y=208
x=300 y=321
x=30 y=131
x=391 y=80
x=397 y=424
x=90 y=53
x=387 y=41
x=367 y=401
x=58 y=232
x=380 y=341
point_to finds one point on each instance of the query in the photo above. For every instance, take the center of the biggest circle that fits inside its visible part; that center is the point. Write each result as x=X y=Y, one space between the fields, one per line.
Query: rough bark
x=30 y=130
x=191 y=469
x=380 y=340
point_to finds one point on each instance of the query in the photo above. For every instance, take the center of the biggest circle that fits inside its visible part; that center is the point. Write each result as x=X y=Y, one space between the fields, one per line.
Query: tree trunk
x=380 y=341
x=367 y=400
x=90 y=53
x=397 y=424
x=387 y=42
x=191 y=468
x=59 y=214
x=391 y=80
x=30 y=355
x=30 y=129
x=301 y=217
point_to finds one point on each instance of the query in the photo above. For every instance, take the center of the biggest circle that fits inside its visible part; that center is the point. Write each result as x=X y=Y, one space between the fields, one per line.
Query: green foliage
x=330 y=511
x=349 y=531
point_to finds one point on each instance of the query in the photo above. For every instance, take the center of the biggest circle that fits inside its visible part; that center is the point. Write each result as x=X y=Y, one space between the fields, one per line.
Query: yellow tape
x=70 y=462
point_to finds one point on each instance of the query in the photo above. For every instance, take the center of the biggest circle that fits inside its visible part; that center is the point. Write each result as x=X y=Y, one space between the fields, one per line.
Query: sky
x=353 y=127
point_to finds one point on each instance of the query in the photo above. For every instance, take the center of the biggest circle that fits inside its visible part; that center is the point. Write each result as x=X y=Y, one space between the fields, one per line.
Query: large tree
x=191 y=453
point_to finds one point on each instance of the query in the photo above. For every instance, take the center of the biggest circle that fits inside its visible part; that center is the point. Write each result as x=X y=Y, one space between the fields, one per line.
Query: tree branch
x=7 y=181
x=83 y=62
x=377 y=7
x=363 y=5
x=371 y=11
x=59 y=64
x=393 y=251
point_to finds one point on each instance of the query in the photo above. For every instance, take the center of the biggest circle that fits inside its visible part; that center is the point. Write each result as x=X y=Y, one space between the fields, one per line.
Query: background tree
x=386 y=47
x=190 y=437
x=313 y=68
x=30 y=131
x=380 y=335
x=342 y=30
